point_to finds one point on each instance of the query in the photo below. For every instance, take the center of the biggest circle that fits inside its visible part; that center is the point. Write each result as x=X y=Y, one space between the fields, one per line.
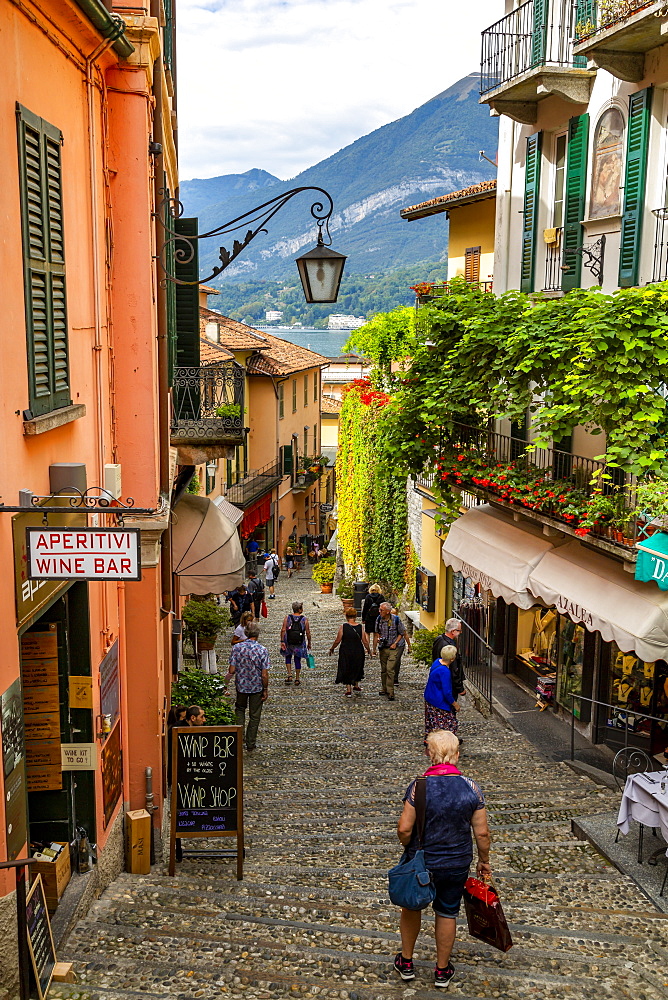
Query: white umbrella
x=206 y=551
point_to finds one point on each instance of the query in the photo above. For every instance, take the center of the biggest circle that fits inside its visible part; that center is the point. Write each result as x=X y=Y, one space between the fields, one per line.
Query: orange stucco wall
x=111 y=282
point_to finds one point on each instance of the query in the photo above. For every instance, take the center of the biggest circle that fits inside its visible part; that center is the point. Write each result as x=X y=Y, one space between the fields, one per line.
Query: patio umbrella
x=206 y=551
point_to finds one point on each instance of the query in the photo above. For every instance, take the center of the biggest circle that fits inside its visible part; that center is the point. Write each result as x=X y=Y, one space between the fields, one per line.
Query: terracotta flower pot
x=326 y=588
x=347 y=603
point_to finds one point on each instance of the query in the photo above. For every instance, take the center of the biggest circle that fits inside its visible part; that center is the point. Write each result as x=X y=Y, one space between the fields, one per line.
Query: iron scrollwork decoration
x=208 y=403
x=593 y=258
x=94 y=500
x=257 y=219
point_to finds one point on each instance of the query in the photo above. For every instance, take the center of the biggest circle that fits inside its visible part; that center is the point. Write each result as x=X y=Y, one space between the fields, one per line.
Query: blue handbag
x=410 y=882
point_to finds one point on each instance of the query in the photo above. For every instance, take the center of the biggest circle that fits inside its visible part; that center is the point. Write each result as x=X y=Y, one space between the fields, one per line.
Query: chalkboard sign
x=207 y=786
x=40 y=939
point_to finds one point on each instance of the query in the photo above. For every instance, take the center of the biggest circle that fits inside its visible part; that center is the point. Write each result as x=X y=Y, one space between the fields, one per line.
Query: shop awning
x=232 y=513
x=206 y=551
x=596 y=591
x=496 y=553
x=258 y=514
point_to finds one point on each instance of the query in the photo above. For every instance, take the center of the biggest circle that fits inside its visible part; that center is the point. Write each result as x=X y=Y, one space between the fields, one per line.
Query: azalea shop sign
x=83 y=553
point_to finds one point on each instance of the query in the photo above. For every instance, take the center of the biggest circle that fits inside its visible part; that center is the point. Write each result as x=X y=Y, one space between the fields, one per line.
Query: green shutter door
x=40 y=173
x=574 y=199
x=187 y=297
x=585 y=19
x=637 y=140
x=539 y=35
x=530 y=213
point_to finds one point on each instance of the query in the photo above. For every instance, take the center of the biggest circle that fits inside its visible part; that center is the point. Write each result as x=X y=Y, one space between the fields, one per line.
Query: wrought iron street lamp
x=320 y=269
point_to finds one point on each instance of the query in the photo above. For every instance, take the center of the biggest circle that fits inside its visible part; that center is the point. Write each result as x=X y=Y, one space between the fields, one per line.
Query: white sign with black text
x=83 y=553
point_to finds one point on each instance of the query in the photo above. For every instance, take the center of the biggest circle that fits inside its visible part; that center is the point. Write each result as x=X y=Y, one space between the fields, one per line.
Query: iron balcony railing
x=524 y=40
x=429 y=291
x=660 y=268
x=309 y=471
x=208 y=404
x=553 y=263
x=254 y=484
x=566 y=471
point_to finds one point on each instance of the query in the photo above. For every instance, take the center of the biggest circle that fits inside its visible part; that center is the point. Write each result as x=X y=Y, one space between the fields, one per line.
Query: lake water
x=326 y=342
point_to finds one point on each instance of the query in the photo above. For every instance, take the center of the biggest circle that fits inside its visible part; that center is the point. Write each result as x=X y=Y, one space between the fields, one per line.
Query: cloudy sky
x=281 y=84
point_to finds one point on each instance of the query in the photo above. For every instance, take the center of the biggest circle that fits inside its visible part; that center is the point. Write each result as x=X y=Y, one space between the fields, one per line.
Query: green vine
x=373 y=510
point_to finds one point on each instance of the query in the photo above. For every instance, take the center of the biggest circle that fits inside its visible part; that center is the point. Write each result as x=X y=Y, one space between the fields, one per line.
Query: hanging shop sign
x=652 y=564
x=83 y=553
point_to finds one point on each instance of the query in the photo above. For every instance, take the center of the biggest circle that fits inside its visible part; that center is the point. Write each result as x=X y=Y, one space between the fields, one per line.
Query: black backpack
x=295 y=632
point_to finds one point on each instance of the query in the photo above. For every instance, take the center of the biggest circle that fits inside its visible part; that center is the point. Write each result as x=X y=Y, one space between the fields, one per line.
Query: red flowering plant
x=422 y=289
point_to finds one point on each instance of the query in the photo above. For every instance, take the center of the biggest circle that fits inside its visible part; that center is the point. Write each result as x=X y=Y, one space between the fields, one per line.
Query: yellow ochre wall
x=431 y=560
x=472 y=226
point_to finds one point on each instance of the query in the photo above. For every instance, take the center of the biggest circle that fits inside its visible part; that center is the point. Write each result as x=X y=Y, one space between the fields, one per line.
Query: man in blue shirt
x=250 y=665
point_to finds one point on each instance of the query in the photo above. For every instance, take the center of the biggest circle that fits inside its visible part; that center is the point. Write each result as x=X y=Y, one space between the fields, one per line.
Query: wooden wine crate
x=55 y=876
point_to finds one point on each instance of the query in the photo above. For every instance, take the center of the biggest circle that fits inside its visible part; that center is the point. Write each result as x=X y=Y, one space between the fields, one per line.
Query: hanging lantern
x=320 y=271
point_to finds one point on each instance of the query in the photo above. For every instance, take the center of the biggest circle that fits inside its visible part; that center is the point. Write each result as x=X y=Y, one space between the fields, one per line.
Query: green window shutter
x=40 y=177
x=539 y=34
x=530 y=212
x=187 y=298
x=637 y=140
x=286 y=459
x=170 y=288
x=574 y=199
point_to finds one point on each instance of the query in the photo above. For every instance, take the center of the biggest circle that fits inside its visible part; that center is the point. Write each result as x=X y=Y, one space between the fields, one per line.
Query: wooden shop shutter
x=187 y=296
x=41 y=190
x=530 y=212
x=637 y=140
x=472 y=264
x=539 y=35
x=574 y=199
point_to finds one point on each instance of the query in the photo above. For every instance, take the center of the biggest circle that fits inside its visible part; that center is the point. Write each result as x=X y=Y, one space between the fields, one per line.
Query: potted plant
x=323 y=573
x=228 y=410
x=345 y=592
x=206 y=619
x=652 y=502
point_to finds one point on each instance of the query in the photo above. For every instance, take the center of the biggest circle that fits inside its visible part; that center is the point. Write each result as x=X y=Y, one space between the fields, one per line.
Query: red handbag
x=263 y=609
x=485 y=915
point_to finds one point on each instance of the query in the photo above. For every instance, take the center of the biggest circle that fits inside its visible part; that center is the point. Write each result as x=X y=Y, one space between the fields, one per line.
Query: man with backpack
x=272 y=568
x=295 y=641
x=256 y=590
x=387 y=636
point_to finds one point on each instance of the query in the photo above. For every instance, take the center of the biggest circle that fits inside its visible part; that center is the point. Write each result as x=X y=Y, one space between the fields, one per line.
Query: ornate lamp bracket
x=593 y=257
x=256 y=219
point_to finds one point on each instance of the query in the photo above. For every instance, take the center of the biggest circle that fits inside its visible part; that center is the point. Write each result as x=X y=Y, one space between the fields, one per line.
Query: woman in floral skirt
x=440 y=707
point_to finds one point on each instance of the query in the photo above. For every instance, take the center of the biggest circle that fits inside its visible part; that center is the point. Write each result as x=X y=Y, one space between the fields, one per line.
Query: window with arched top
x=606 y=176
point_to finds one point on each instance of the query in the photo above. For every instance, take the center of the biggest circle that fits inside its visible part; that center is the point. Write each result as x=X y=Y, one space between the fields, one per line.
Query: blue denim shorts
x=449 y=884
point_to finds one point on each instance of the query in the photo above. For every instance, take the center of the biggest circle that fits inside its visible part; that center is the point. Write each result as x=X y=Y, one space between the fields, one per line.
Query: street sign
x=83 y=553
x=326 y=508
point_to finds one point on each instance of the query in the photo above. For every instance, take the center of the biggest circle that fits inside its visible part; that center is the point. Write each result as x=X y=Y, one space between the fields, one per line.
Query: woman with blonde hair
x=239 y=634
x=453 y=807
x=440 y=707
x=370 y=612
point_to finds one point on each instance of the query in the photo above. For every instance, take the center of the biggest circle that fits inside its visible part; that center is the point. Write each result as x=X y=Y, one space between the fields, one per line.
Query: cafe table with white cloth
x=644 y=801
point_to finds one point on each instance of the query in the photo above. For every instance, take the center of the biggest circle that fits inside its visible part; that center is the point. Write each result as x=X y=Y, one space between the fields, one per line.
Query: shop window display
x=550 y=655
x=638 y=686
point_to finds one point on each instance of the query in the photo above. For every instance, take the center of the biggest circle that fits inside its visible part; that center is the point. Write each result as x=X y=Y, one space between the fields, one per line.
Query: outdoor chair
x=631 y=760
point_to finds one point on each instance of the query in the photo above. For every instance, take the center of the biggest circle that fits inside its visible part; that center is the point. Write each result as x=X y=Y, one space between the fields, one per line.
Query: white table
x=643 y=801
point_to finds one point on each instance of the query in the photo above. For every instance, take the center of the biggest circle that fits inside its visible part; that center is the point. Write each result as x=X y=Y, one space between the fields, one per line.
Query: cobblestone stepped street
x=312 y=916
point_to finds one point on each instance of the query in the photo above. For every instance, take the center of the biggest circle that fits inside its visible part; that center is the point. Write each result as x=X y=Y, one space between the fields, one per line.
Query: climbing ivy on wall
x=372 y=504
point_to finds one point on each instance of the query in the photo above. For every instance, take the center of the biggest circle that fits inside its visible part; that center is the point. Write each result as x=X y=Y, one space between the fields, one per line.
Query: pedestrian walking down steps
x=353 y=647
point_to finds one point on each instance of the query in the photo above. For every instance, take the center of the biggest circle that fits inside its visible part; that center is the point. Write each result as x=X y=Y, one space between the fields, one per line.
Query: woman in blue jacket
x=440 y=707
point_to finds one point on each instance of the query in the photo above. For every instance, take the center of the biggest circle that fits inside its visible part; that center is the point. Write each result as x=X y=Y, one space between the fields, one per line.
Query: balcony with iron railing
x=548 y=485
x=208 y=408
x=620 y=33
x=250 y=486
x=309 y=471
x=660 y=265
x=528 y=55
x=553 y=262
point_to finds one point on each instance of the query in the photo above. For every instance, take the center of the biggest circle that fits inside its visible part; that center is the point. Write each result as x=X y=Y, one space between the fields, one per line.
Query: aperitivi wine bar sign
x=83 y=553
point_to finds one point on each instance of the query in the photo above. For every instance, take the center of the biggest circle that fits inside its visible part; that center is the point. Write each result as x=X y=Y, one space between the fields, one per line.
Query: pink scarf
x=441 y=769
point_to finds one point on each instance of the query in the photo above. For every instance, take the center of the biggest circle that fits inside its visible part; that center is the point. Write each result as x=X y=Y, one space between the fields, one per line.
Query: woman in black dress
x=353 y=645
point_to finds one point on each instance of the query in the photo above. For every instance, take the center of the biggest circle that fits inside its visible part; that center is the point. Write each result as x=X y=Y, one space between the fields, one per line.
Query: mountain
x=429 y=152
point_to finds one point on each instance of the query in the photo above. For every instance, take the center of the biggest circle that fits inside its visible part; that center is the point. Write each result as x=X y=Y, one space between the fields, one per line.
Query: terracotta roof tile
x=210 y=352
x=476 y=192
x=330 y=405
x=233 y=335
